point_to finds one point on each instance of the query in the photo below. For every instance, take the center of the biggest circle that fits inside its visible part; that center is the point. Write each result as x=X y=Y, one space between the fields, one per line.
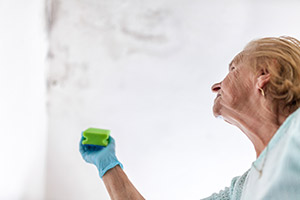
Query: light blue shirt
x=275 y=175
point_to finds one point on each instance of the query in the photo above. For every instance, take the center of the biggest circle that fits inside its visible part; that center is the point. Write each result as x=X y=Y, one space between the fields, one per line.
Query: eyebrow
x=229 y=66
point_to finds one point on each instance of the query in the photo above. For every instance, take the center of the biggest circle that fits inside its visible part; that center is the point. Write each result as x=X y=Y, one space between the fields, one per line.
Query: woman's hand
x=110 y=170
x=104 y=158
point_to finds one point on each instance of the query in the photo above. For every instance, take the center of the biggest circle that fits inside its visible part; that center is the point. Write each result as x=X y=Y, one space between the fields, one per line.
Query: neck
x=259 y=124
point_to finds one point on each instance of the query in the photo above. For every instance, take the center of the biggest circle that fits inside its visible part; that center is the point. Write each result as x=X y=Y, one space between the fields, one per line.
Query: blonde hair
x=280 y=57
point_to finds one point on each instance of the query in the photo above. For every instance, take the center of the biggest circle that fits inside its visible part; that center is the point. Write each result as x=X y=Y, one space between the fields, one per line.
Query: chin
x=216 y=112
x=219 y=116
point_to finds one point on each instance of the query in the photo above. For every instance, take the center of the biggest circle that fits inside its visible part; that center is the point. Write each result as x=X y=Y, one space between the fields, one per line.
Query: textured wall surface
x=144 y=70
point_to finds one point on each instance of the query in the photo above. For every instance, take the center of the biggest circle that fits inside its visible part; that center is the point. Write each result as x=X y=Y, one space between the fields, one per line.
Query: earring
x=262 y=91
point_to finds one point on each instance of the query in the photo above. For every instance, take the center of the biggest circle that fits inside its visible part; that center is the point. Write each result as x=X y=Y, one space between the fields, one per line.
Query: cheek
x=235 y=92
x=229 y=89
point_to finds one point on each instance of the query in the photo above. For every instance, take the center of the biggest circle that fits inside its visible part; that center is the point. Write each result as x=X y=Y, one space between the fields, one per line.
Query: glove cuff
x=108 y=167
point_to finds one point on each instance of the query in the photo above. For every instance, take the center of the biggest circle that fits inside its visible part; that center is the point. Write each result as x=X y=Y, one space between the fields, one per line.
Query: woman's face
x=234 y=92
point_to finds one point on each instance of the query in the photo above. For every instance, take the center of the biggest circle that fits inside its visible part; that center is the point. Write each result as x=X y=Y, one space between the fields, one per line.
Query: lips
x=218 y=95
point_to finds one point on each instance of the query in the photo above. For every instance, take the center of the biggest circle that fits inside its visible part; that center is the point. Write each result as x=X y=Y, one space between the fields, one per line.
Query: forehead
x=239 y=58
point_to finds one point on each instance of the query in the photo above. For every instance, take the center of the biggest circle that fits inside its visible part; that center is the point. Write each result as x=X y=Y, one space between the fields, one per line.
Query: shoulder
x=293 y=125
x=284 y=166
x=232 y=192
x=295 y=117
x=237 y=185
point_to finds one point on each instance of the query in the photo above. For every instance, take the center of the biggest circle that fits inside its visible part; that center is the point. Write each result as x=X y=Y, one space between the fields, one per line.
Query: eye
x=232 y=68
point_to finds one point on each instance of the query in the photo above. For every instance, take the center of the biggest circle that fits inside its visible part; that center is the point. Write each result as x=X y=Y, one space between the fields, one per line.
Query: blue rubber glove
x=103 y=157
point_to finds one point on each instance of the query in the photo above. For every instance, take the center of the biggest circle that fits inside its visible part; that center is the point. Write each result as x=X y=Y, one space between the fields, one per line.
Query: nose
x=216 y=87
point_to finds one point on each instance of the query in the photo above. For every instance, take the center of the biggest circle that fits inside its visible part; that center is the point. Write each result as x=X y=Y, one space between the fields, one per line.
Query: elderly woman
x=261 y=96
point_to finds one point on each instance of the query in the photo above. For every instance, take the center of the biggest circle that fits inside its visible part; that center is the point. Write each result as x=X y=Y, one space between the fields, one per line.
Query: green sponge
x=96 y=136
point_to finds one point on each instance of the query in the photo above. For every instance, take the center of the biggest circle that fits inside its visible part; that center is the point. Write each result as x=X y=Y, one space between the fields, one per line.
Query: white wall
x=144 y=69
x=22 y=102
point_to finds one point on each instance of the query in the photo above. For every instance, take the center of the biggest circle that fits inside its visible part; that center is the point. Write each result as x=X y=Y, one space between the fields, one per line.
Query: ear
x=263 y=79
